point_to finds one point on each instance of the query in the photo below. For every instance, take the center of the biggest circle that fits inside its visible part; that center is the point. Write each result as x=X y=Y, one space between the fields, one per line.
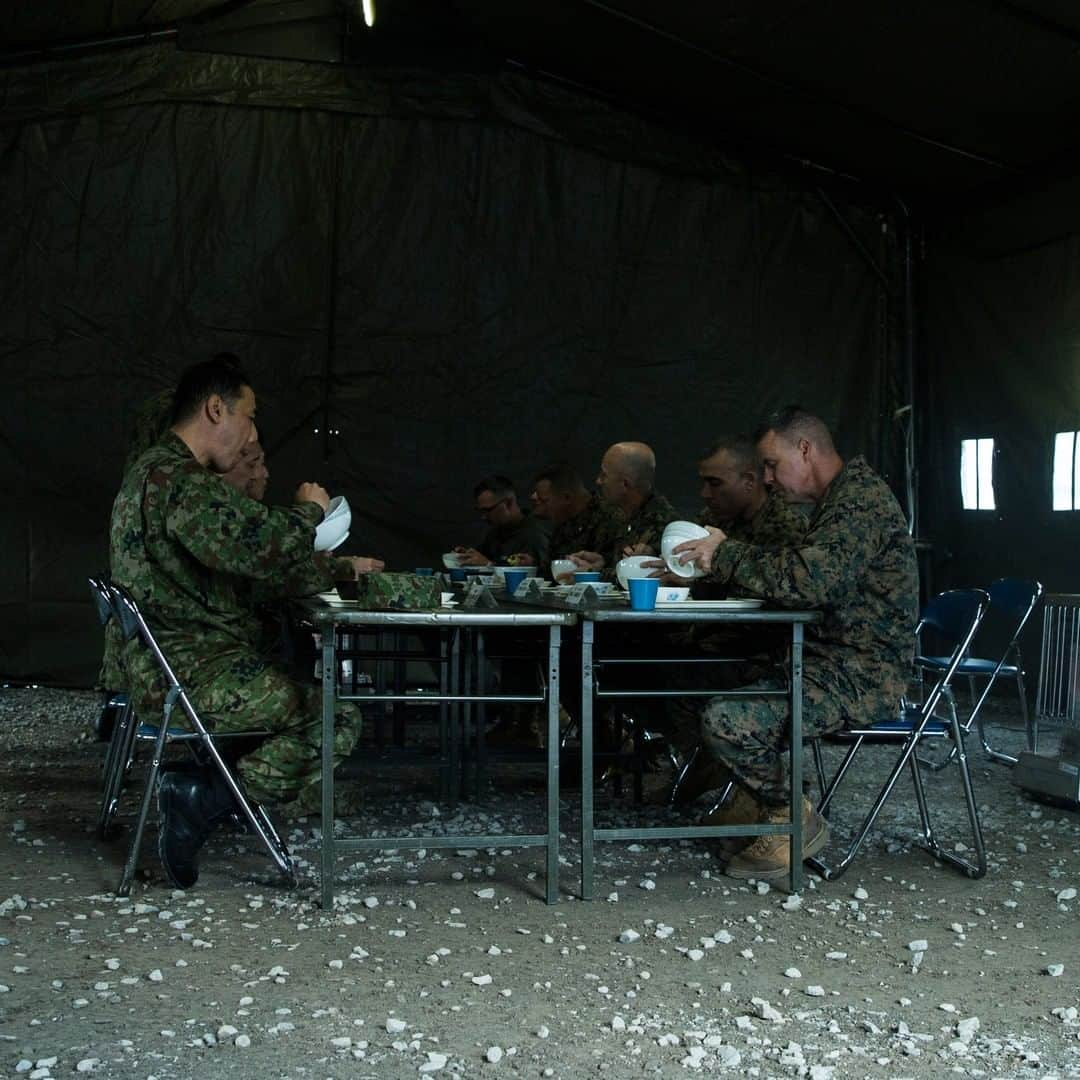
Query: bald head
x=627 y=471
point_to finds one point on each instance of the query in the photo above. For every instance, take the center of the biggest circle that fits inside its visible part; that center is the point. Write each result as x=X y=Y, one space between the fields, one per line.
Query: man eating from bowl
x=581 y=521
x=856 y=564
x=189 y=547
x=513 y=537
x=640 y=513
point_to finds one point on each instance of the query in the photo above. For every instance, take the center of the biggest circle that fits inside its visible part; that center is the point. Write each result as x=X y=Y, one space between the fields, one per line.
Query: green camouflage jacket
x=776 y=524
x=856 y=564
x=195 y=553
x=645 y=527
x=591 y=530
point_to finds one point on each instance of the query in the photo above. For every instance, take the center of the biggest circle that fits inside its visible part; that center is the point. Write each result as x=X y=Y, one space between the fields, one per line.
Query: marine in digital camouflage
x=593 y=529
x=856 y=564
x=776 y=524
x=645 y=526
x=193 y=552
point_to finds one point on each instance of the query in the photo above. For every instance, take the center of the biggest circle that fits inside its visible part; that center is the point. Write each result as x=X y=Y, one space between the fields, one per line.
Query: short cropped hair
x=222 y=376
x=499 y=486
x=741 y=448
x=793 y=422
x=562 y=476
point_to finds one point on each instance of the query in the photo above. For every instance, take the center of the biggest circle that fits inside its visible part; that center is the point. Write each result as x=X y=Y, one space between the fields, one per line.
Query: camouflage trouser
x=290 y=759
x=750 y=735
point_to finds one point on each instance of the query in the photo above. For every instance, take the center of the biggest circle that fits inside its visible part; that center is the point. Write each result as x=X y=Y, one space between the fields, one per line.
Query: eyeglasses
x=483 y=511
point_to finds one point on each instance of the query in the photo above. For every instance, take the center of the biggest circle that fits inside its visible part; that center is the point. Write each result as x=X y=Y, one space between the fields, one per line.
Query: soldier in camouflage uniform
x=513 y=535
x=195 y=553
x=639 y=513
x=856 y=564
x=581 y=521
x=736 y=501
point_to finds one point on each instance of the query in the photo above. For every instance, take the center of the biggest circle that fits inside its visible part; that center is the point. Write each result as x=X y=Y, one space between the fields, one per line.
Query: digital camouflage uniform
x=856 y=564
x=645 y=526
x=195 y=554
x=151 y=424
x=592 y=529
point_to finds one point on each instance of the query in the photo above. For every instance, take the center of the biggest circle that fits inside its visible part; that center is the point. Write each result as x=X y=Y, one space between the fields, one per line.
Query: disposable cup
x=643 y=593
x=586 y=575
x=513 y=579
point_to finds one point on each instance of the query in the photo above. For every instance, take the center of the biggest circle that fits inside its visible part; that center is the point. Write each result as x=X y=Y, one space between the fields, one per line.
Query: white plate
x=710 y=605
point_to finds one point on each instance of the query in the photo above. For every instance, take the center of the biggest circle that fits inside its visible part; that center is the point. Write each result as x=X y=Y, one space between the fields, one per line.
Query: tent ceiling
x=936 y=99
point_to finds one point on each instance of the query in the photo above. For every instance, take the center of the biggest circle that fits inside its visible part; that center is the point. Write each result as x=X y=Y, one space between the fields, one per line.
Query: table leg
x=554 y=646
x=588 y=630
x=796 y=756
x=329 y=685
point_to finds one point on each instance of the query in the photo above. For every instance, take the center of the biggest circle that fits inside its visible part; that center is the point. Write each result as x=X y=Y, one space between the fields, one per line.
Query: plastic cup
x=424 y=571
x=457 y=573
x=643 y=593
x=513 y=579
x=586 y=575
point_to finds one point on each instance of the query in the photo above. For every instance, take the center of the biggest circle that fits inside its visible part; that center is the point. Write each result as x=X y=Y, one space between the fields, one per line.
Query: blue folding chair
x=955 y=617
x=200 y=740
x=1012 y=600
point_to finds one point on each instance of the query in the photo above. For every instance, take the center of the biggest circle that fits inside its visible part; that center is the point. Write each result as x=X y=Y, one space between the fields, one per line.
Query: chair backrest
x=1016 y=597
x=955 y=617
x=132 y=623
x=99 y=591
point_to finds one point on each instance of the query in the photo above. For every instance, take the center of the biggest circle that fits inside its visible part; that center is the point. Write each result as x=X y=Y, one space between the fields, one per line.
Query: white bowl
x=683 y=570
x=685 y=530
x=330 y=533
x=562 y=566
x=451 y=560
x=631 y=567
x=671 y=594
x=339 y=507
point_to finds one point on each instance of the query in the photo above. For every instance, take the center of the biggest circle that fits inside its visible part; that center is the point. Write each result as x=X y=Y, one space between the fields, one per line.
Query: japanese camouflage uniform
x=856 y=564
x=196 y=555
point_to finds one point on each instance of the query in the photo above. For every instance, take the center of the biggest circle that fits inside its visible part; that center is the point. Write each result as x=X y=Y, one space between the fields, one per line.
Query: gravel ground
x=449 y=962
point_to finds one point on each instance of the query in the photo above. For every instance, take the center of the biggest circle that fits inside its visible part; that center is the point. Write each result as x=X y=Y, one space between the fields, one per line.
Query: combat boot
x=189 y=803
x=769 y=857
x=739 y=808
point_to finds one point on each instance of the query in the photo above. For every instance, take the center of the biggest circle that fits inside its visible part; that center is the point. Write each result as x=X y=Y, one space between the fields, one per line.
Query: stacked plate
x=678 y=532
x=333 y=530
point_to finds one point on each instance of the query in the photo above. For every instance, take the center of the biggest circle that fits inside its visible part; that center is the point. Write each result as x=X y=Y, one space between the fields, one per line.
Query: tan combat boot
x=769 y=857
x=740 y=808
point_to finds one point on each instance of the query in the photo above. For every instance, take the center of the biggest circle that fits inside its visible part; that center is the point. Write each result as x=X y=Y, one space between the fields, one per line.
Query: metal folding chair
x=120 y=753
x=1012 y=600
x=164 y=734
x=955 y=617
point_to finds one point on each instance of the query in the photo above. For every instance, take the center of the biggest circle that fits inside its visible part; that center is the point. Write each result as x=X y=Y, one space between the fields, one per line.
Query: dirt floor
x=450 y=962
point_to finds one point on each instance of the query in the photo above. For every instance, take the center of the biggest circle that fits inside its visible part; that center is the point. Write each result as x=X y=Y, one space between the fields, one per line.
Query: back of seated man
x=189 y=547
x=625 y=486
x=580 y=520
x=856 y=565
x=512 y=534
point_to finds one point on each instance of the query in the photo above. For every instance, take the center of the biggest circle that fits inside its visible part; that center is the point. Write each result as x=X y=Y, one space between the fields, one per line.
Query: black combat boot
x=189 y=803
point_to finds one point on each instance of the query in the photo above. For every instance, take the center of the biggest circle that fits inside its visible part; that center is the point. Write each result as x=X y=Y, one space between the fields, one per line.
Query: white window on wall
x=1067 y=470
x=977 y=474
